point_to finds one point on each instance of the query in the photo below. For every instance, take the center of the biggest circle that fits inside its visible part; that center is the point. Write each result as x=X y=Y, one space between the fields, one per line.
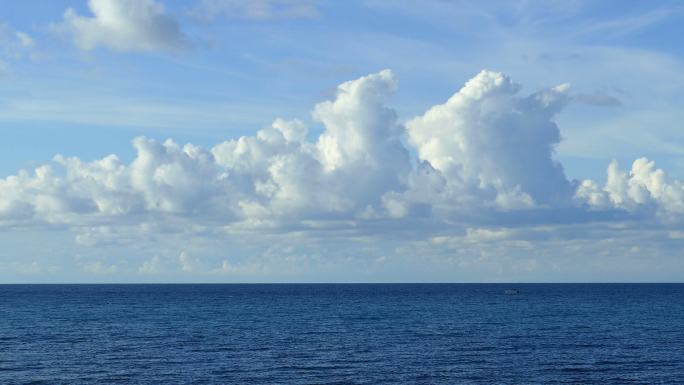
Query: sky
x=341 y=141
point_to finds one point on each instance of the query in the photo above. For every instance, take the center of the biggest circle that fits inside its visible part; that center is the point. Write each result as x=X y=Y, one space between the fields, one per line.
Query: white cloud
x=151 y=266
x=124 y=25
x=229 y=268
x=12 y=40
x=488 y=141
x=100 y=267
x=96 y=235
x=188 y=264
x=484 y=156
x=643 y=187
x=275 y=176
x=14 y=45
x=260 y=10
x=24 y=39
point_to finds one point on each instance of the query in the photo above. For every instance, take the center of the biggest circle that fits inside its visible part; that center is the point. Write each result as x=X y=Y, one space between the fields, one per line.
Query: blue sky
x=341 y=141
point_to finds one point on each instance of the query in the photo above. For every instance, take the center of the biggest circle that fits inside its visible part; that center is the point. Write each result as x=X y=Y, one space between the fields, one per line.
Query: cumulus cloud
x=124 y=25
x=644 y=187
x=188 y=264
x=488 y=141
x=274 y=176
x=259 y=10
x=487 y=152
x=151 y=266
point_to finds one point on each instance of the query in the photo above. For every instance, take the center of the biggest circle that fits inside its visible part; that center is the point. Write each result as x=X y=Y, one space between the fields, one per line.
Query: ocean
x=342 y=334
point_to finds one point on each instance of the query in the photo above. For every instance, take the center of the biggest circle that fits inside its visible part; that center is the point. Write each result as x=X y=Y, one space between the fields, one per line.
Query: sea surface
x=342 y=334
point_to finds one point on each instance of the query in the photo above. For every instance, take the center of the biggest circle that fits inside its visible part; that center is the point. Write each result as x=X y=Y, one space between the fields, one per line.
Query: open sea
x=342 y=334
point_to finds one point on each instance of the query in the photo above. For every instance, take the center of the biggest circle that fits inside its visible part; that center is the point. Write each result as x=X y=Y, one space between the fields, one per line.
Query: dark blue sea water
x=341 y=334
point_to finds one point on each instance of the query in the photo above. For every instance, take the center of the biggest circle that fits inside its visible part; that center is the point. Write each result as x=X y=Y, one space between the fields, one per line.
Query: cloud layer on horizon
x=484 y=156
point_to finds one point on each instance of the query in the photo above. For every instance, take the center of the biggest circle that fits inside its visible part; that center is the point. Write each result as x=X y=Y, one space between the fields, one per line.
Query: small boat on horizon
x=512 y=291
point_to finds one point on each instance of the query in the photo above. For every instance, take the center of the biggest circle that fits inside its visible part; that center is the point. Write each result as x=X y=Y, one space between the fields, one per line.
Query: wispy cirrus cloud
x=14 y=45
x=256 y=10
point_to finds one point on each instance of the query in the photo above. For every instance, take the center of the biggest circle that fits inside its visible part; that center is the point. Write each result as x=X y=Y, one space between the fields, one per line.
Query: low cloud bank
x=487 y=151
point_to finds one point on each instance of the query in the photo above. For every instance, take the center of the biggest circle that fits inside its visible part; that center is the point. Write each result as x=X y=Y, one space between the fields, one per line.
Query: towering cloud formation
x=485 y=148
x=361 y=150
x=275 y=176
x=124 y=25
x=487 y=140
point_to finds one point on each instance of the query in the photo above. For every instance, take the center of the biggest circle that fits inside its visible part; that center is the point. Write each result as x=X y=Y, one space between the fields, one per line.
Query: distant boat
x=512 y=291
